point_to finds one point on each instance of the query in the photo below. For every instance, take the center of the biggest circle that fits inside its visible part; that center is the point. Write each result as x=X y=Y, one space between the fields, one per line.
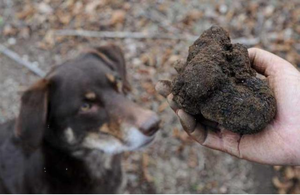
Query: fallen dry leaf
x=281 y=185
x=9 y=30
x=26 y=12
x=118 y=17
x=145 y=163
x=289 y=173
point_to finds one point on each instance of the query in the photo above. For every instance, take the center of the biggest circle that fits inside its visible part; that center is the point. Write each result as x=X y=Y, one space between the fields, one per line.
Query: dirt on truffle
x=217 y=82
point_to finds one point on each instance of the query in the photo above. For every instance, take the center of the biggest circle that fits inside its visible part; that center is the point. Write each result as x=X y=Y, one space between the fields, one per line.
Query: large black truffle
x=217 y=82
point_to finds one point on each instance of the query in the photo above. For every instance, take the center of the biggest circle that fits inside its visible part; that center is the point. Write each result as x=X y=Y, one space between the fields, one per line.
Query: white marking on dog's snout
x=133 y=140
x=136 y=139
x=70 y=137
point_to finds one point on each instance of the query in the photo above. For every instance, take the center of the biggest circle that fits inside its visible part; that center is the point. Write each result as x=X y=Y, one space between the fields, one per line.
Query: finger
x=267 y=63
x=207 y=136
x=200 y=133
x=224 y=140
x=179 y=66
x=172 y=103
x=187 y=121
x=163 y=87
x=194 y=128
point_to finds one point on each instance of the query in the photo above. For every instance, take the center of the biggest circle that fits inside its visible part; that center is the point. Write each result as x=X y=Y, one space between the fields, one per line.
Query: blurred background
x=153 y=35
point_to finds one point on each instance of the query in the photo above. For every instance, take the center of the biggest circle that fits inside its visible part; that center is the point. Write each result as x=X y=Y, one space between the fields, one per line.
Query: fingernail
x=199 y=134
x=172 y=104
x=163 y=87
x=188 y=122
x=179 y=66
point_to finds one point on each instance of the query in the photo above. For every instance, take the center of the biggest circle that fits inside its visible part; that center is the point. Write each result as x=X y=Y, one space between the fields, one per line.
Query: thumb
x=267 y=63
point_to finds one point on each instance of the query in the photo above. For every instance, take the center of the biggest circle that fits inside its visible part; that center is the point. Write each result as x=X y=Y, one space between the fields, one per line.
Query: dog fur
x=72 y=127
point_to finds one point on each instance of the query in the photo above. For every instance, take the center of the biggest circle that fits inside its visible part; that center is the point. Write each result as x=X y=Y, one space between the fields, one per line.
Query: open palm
x=279 y=142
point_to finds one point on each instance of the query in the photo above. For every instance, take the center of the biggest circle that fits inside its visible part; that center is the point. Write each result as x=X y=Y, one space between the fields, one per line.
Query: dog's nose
x=151 y=125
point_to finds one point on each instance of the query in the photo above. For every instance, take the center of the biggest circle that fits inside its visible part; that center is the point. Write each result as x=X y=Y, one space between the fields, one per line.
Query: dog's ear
x=114 y=56
x=31 y=122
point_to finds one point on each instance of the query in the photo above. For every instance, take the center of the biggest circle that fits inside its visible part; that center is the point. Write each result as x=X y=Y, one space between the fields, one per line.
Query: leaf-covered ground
x=174 y=163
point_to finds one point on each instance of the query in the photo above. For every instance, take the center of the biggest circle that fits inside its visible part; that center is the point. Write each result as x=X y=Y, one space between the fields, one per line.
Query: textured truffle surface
x=217 y=82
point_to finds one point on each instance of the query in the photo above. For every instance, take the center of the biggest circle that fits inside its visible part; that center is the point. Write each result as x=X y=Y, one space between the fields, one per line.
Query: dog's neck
x=97 y=162
x=89 y=169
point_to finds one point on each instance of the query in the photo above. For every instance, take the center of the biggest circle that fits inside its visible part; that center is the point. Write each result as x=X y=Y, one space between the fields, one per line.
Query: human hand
x=279 y=142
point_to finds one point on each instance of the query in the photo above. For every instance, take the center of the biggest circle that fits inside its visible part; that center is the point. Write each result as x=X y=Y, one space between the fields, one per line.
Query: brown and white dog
x=72 y=127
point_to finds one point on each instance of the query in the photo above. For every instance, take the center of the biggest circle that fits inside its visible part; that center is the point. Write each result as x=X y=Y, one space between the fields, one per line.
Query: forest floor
x=37 y=30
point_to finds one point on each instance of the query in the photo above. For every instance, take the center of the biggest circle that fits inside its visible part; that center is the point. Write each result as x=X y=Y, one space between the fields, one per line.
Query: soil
x=217 y=82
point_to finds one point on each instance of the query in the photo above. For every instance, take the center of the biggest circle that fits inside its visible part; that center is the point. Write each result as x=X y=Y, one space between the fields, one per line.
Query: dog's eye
x=85 y=107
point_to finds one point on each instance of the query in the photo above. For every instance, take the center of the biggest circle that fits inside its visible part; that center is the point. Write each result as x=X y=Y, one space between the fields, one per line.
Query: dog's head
x=81 y=104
